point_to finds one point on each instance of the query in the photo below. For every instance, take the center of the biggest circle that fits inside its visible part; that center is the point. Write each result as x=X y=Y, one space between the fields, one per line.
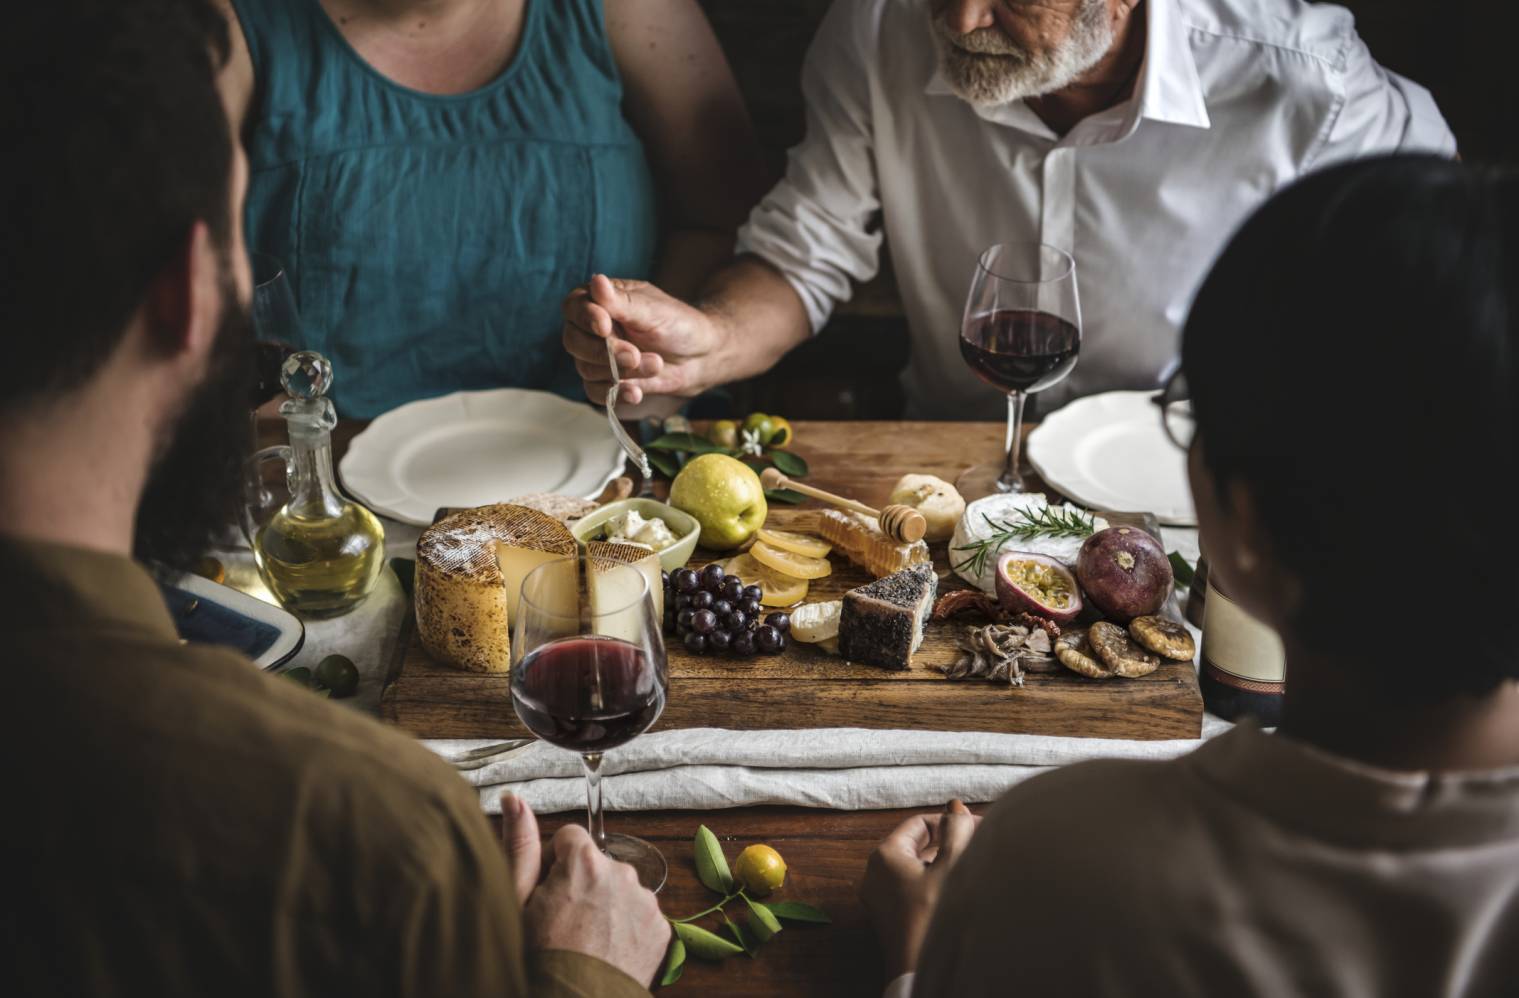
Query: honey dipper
x=902 y=524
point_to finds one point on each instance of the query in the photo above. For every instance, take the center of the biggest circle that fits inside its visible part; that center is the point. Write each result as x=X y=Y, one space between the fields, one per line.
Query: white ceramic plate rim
x=1052 y=448
x=366 y=468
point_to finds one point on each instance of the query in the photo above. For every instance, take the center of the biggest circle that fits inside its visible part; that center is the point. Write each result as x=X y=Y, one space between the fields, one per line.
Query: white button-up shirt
x=1234 y=99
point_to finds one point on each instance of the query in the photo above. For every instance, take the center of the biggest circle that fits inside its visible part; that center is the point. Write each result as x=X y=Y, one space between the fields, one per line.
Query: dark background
x=1459 y=50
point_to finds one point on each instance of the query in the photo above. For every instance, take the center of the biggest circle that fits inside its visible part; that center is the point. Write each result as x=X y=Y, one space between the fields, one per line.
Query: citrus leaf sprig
x=669 y=453
x=1048 y=521
x=762 y=919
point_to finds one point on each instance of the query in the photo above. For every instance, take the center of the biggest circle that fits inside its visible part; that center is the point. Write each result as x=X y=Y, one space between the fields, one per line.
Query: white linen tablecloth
x=845 y=768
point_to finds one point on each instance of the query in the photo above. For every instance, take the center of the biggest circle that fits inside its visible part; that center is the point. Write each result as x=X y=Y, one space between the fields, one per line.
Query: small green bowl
x=682 y=525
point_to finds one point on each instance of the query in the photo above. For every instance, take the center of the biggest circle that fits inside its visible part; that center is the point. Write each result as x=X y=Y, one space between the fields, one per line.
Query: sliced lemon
x=816 y=622
x=777 y=589
x=788 y=540
x=798 y=566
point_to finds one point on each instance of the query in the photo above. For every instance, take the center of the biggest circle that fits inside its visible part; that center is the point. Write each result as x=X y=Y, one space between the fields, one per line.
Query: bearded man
x=181 y=823
x=1132 y=134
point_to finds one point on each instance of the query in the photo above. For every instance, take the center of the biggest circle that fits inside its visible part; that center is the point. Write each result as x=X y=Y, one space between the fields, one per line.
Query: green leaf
x=790 y=464
x=785 y=495
x=686 y=442
x=762 y=922
x=705 y=945
x=711 y=864
x=663 y=463
x=744 y=939
x=675 y=962
x=1183 y=571
x=796 y=911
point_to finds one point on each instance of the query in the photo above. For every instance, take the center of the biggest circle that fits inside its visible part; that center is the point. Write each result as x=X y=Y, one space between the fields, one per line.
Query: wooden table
x=825 y=850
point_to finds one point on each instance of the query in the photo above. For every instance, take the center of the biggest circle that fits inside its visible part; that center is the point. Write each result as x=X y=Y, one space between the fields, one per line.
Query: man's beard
x=987 y=68
x=193 y=489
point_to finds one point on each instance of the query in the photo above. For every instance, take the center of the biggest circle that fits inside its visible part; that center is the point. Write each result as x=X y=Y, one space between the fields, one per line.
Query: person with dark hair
x=181 y=823
x=436 y=173
x=1353 y=359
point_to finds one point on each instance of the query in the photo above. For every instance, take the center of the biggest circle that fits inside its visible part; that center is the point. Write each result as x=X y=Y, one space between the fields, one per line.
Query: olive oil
x=324 y=565
x=320 y=553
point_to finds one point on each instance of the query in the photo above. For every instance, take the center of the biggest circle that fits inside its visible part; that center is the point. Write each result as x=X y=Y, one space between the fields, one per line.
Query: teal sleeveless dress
x=429 y=240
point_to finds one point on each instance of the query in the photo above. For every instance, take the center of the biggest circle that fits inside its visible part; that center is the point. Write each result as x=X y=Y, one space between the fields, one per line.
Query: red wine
x=589 y=694
x=1018 y=350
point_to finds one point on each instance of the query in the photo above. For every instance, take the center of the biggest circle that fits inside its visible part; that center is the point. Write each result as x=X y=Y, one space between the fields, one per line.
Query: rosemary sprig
x=1048 y=521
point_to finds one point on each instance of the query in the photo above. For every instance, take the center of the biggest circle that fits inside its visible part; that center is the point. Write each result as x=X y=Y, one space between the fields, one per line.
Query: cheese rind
x=470 y=568
x=881 y=623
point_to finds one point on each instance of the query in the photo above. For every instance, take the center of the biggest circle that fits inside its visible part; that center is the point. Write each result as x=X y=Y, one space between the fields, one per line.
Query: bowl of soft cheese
x=646 y=523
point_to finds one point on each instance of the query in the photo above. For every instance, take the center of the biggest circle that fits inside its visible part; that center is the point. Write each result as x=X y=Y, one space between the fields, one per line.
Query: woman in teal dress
x=436 y=174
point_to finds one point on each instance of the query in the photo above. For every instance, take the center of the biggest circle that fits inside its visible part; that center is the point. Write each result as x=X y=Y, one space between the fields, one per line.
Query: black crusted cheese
x=881 y=623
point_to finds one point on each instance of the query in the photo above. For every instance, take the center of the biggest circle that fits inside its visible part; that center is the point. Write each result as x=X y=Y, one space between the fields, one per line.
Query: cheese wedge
x=615 y=608
x=470 y=568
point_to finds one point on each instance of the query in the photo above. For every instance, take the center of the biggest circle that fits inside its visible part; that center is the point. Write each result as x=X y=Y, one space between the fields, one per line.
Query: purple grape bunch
x=713 y=613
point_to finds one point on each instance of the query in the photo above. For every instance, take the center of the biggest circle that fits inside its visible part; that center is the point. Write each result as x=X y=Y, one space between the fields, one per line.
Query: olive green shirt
x=181 y=823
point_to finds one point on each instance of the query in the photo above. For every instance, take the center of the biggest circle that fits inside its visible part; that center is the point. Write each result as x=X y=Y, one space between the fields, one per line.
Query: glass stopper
x=306 y=374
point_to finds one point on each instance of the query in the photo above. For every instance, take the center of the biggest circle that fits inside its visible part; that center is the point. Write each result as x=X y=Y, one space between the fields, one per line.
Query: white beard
x=997 y=72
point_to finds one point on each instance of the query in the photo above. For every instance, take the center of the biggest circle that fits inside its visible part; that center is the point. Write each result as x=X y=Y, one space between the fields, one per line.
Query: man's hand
x=904 y=877
x=592 y=904
x=661 y=341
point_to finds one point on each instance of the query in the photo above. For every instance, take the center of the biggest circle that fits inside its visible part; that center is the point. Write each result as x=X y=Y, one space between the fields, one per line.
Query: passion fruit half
x=1032 y=583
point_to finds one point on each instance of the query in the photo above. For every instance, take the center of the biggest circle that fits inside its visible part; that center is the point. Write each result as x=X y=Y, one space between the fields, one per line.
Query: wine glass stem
x=593 y=817
x=1011 y=480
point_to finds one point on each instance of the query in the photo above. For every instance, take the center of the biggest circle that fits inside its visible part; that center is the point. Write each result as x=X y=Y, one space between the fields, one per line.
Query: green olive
x=299 y=674
x=338 y=674
x=724 y=433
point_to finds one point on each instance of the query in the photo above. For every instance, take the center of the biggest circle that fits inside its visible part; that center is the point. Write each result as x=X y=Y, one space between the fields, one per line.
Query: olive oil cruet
x=319 y=552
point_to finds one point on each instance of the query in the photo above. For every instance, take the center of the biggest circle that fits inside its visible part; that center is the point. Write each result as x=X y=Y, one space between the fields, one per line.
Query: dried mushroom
x=998 y=652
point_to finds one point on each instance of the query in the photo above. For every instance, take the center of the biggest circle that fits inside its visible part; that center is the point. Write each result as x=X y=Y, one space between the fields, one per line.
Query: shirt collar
x=1168 y=88
x=1339 y=800
x=71 y=587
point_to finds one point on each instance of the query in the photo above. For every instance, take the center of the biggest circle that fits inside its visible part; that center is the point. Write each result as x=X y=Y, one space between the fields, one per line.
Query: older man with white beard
x=1132 y=134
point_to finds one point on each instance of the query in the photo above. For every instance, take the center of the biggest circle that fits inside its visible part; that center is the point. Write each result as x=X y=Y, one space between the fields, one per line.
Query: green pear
x=724 y=495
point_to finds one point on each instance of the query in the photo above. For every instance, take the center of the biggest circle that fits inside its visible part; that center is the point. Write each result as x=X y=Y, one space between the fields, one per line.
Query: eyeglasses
x=1175 y=404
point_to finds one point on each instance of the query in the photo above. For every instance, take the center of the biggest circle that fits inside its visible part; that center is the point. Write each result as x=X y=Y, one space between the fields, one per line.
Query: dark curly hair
x=116 y=144
x=1352 y=361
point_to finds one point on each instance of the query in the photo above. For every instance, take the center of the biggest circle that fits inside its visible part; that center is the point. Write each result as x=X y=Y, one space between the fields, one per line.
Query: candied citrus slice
x=777 y=589
x=789 y=540
x=798 y=566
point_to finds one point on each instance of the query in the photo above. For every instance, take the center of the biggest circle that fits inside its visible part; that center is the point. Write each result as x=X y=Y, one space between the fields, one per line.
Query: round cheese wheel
x=470 y=568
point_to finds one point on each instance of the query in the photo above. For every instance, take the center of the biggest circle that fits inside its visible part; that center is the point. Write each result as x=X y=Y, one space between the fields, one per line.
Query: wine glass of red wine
x=1021 y=334
x=590 y=679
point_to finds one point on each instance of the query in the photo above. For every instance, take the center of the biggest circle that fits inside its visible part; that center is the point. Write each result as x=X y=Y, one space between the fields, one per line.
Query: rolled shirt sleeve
x=816 y=226
x=1381 y=111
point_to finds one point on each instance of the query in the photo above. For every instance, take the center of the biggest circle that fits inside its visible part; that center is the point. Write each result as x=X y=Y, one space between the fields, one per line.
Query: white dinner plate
x=474 y=448
x=1110 y=451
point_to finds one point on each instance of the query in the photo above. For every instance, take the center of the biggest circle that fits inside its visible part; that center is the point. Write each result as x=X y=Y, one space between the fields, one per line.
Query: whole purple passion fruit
x=1032 y=583
x=1124 y=572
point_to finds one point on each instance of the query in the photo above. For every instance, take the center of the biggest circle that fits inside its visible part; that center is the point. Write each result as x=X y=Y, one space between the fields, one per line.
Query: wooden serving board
x=804 y=687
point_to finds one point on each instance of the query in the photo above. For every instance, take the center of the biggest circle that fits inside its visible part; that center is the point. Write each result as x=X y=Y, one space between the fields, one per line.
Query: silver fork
x=485 y=755
x=629 y=445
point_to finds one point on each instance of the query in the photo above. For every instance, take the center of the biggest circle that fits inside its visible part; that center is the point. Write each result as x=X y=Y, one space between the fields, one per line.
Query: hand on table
x=904 y=876
x=587 y=903
x=661 y=341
